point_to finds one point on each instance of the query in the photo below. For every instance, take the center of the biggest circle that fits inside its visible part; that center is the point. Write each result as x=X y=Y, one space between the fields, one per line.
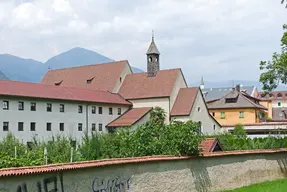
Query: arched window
x=150 y=59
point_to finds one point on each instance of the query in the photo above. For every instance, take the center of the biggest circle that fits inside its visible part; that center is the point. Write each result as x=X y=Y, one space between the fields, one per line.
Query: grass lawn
x=270 y=186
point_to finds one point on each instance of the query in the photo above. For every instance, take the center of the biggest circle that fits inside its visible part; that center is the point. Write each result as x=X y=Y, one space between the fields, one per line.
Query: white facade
x=199 y=113
x=71 y=118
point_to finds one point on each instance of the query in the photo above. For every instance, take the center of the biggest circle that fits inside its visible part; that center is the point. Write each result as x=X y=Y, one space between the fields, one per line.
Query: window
x=199 y=128
x=214 y=127
x=213 y=114
x=93 y=110
x=100 y=110
x=6 y=105
x=33 y=106
x=61 y=126
x=33 y=126
x=198 y=109
x=20 y=106
x=279 y=104
x=119 y=111
x=5 y=126
x=49 y=107
x=120 y=79
x=20 y=126
x=241 y=114
x=279 y=95
x=49 y=126
x=110 y=111
x=93 y=127
x=222 y=115
x=80 y=127
x=100 y=127
x=80 y=109
x=62 y=108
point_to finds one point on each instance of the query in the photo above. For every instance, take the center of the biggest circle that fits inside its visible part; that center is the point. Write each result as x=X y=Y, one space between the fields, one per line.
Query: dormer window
x=89 y=81
x=230 y=100
x=58 y=83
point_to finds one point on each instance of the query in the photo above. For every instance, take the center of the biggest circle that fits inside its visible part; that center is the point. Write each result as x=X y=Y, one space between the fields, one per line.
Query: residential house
x=276 y=102
x=190 y=104
x=237 y=107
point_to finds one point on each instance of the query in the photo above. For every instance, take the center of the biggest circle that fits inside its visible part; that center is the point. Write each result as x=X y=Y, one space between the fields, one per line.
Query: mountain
x=29 y=70
x=78 y=57
x=3 y=76
x=19 y=69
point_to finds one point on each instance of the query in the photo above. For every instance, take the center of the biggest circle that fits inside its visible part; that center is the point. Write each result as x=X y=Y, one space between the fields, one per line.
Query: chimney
x=237 y=88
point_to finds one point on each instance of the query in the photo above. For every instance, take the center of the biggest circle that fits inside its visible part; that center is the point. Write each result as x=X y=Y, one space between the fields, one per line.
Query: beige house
x=190 y=105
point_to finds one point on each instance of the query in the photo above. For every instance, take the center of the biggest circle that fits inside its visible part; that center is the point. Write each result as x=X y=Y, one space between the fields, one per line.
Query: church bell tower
x=152 y=59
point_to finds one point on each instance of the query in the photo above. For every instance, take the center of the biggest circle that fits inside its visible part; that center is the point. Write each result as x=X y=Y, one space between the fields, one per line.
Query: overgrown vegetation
x=239 y=141
x=151 y=138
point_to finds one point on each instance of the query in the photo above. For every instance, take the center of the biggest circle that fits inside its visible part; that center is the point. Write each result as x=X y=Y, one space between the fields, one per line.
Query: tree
x=275 y=70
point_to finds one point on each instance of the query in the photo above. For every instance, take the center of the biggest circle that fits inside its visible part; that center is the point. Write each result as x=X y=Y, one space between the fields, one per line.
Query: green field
x=270 y=186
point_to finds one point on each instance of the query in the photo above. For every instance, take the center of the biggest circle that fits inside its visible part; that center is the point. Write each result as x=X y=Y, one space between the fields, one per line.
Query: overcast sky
x=217 y=39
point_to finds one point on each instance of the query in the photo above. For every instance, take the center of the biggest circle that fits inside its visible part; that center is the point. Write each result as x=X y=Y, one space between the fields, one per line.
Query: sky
x=216 y=39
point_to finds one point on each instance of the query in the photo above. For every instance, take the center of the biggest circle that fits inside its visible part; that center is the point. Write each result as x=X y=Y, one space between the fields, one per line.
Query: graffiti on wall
x=48 y=184
x=116 y=184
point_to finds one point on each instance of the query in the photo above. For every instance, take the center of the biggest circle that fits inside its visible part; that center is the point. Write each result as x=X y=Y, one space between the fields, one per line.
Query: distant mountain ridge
x=29 y=70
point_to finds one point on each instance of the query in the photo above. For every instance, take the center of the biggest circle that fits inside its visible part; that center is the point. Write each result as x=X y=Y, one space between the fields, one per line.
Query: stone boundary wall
x=209 y=172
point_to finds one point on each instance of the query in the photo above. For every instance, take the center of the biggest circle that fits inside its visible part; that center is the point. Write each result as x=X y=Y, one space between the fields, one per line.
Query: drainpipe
x=87 y=118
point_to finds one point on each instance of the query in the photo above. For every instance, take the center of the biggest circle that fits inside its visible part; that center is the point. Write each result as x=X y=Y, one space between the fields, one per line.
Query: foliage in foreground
x=239 y=141
x=151 y=138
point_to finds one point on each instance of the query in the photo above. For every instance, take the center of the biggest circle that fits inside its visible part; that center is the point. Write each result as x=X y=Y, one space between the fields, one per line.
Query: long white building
x=31 y=110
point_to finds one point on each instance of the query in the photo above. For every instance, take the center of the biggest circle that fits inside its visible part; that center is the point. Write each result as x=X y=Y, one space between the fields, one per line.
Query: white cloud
x=204 y=37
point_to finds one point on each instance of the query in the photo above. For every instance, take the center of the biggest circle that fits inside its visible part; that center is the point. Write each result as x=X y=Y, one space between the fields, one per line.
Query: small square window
x=33 y=106
x=61 y=126
x=119 y=111
x=5 y=126
x=93 y=127
x=213 y=114
x=100 y=110
x=80 y=127
x=222 y=115
x=62 y=108
x=93 y=109
x=80 y=109
x=6 y=105
x=20 y=106
x=241 y=114
x=33 y=126
x=110 y=111
x=100 y=127
x=49 y=126
x=49 y=107
x=20 y=126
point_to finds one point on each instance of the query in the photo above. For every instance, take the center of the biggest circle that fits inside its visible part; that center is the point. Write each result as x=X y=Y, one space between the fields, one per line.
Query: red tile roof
x=102 y=76
x=5 y=172
x=34 y=90
x=130 y=117
x=275 y=95
x=208 y=145
x=184 y=101
x=139 y=85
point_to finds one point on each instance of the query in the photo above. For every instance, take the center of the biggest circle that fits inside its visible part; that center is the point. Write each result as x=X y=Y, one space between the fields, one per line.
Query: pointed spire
x=152 y=48
x=201 y=83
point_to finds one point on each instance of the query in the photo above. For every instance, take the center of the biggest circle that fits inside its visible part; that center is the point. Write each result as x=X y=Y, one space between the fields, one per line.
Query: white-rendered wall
x=208 y=123
x=153 y=102
x=283 y=103
x=70 y=118
x=127 y=70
